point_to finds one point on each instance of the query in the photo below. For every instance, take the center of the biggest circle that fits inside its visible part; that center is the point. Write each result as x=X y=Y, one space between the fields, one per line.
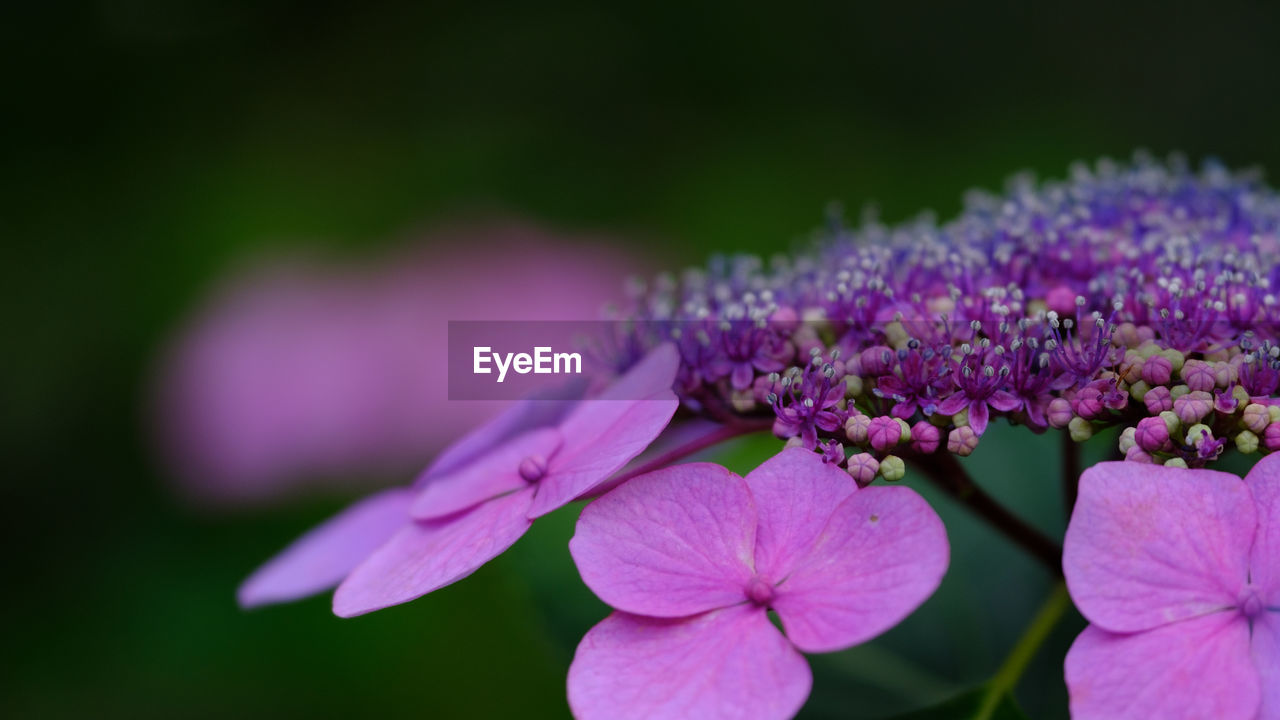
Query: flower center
x=1250 y=602
x=760 y=591
x=532 y=468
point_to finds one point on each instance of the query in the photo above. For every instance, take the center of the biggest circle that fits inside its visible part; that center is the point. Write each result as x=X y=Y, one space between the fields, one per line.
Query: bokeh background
x=152 y=149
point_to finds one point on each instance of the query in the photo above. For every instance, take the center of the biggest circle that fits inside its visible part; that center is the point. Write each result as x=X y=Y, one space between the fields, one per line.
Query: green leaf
x=972 y=705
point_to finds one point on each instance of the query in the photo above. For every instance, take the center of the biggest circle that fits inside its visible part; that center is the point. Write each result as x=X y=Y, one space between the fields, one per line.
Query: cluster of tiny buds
x=1138 y=297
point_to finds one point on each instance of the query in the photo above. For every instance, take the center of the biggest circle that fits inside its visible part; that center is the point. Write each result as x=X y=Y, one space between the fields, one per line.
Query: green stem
x=1006 y=678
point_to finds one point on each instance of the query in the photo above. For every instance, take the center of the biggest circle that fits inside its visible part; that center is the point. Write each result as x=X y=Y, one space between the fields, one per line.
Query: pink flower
x=693 y=556
x=476 y=500
x=1178 y=572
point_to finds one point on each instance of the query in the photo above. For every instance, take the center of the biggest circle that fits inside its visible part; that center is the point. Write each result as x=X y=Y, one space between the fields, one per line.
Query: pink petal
x=1264 y=482
x=1266 y=658
x=1148 y=545
x=1187 y=670
x=624 y=430
x=729 y=663
x=881 y=555
x=489 y=476
x=324 y=556
x=545 y=409
x=427 y=555
x=795 y=493
x=1004 y=401
x=602 y=434
x=670 y=543
x=979 y=416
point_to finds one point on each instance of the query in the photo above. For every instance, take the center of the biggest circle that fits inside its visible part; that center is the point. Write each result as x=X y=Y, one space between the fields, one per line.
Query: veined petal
x=795 y=493
x=1265 y=648
x=883 y=553
x=489 y=476
x=1264 y=563
x=1188 y=670
x=671 y=543
x=427 y=555
x=729 y=663
x=604 y=433
x=1149 y=545
x=319 y=560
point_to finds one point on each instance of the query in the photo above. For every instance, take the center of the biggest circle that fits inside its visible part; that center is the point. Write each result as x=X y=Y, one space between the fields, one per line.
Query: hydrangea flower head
x=1120 y=293
x=1178 y=572
x=693 y=557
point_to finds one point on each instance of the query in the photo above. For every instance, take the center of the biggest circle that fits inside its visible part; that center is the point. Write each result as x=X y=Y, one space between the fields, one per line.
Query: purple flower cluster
x=1137 y=296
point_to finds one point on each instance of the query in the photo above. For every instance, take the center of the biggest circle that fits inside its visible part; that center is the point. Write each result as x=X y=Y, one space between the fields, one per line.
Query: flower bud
x=1088 y=402
x=963 y=440
x=1176 y=359
x=1080 y=429
x=1137 y=454
x=1127 y=440
x=743 y=401
x=1178 y=391
x=1131 y=367
x=1255 y=418
x=1152 y=434
x=855 y=428
x=1157 y=370
x=1139 y=390
x=1273 y=411
x=1059 y=412
x=794 y=442
x=876 y=360
x=1171 y=422
x=906 y=430
x=1198 y=375
x=852 y=386
x=863 y=468
x=1158 y=399
x=1193 y=406
x=1175 y=462
x=1246 y=442
x=1271 y=437
x=1127 y=335
x=883 y=433
x=892 y=468
x=925 y=437
x=1225 y=373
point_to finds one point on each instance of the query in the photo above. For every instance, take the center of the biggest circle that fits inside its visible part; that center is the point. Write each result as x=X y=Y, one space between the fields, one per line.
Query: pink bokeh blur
x=303 y=375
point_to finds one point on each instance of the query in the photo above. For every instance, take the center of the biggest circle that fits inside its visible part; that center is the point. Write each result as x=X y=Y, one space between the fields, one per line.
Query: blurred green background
x=151 y=146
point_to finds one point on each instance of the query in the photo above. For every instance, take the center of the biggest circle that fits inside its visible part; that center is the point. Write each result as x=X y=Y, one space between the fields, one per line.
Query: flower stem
x=945 y=471
x=1006 y=678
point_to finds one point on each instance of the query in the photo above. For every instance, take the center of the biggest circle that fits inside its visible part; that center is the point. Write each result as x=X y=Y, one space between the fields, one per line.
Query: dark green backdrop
x=150 y=146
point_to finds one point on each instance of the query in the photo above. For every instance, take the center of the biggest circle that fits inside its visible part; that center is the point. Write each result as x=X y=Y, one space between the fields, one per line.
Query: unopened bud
x=1246 y=442
x=1080 y=429
x=892 y=468
x=963 y=440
